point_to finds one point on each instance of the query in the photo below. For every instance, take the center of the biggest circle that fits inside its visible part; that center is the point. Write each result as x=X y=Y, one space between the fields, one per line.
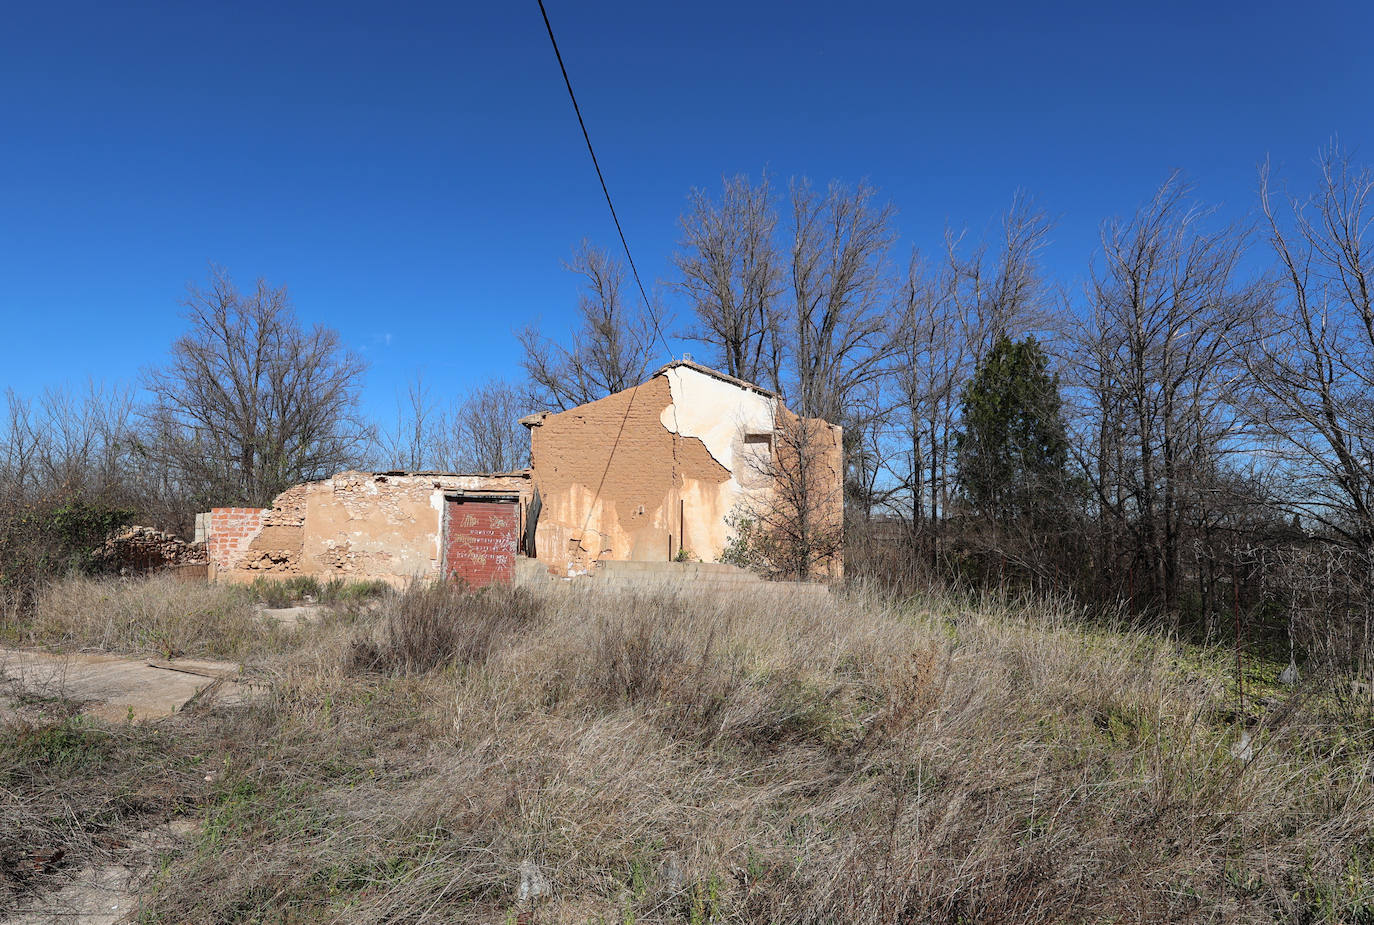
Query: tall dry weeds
x=769 y=758
x=155 y=616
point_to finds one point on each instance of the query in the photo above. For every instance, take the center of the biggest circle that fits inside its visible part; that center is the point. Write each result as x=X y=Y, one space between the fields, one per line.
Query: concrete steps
x=694 y=577
x=531 y=572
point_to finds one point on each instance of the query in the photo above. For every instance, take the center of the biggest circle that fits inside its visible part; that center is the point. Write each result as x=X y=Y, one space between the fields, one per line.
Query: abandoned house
x=658 y=472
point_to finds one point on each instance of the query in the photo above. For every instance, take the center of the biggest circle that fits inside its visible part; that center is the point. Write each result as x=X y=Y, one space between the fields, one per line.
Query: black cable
x=648 y=307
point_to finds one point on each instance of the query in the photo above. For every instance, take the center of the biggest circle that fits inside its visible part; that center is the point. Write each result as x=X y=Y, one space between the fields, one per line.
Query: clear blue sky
x=414 y=173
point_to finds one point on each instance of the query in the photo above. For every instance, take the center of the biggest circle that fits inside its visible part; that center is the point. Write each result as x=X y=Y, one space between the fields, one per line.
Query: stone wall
x=138 y=549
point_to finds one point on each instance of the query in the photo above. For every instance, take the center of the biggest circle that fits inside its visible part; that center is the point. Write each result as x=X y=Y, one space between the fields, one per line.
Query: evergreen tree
x=1013 y=448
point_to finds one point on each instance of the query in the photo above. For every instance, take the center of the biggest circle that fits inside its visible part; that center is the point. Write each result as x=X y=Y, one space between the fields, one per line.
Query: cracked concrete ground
x=117 y=688
x=105 y=889
x=295 y=616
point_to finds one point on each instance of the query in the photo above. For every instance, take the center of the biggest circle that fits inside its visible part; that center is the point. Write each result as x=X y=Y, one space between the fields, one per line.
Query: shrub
x=339 y=591
x=431 y=625
x=758 y=756
x=50 y=538
x=283 y=592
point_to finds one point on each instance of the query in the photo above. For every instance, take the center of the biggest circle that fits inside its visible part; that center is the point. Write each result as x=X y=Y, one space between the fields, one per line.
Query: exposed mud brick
x=612 y=466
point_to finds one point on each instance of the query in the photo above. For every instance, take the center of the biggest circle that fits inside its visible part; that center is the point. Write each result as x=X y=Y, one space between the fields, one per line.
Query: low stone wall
x=144 y=549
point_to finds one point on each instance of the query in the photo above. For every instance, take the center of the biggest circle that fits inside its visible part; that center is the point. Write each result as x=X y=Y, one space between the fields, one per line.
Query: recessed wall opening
x=481 y=539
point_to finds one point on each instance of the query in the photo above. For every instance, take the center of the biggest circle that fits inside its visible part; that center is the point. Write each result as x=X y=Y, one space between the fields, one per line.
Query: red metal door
x=480 y=541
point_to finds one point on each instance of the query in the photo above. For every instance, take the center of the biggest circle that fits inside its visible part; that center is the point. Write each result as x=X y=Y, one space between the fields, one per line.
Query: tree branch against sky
x=611 y=348
x=397 y=208
x=730 y=268
x=1312 y=363
x=251 y=402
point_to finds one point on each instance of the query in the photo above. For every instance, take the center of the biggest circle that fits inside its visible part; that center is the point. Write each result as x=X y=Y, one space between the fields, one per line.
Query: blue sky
x=415 y=175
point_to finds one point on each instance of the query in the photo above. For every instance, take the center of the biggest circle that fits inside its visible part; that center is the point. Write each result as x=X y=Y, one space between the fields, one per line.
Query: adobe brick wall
x=231 y=531
x=633 y=477
x=354 y=526
x=611 y=477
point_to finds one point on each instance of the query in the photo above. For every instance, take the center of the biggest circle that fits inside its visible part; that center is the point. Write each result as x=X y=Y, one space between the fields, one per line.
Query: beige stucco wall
x=377 y=526
x=719 y=414
x=649 y=471
x=360 y=525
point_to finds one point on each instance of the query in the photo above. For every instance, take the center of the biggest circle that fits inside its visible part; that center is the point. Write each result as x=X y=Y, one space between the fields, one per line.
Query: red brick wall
x=231 y=530
x=480 y=539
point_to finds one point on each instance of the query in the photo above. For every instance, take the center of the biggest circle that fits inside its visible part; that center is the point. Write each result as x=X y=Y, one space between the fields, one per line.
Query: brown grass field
x=676 y=758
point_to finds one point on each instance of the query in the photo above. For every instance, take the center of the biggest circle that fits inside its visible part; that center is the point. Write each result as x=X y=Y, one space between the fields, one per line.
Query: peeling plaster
x=365 y=525
x=716 y=412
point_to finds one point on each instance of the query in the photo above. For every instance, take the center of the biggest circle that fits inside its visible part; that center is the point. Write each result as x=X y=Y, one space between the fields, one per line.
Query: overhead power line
x=634 y=270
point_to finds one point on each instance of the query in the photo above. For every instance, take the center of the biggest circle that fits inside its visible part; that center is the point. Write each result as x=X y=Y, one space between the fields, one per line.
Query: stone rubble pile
x=142 y=549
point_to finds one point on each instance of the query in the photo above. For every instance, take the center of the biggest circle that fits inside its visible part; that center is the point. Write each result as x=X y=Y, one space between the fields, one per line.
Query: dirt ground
x=106 y=892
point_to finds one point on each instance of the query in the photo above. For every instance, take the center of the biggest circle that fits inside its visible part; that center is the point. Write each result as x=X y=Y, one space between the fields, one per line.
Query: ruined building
x=658 y=472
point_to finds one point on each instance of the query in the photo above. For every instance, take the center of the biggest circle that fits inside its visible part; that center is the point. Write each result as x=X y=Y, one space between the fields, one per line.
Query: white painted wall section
x=716 y=412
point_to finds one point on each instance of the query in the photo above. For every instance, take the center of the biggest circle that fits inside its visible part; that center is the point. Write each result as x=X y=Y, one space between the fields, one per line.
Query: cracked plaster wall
x=358 y=526
x=670 y=483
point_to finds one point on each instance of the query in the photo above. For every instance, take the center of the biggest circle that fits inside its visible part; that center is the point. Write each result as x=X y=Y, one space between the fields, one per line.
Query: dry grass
x=766 y=759
x=71 y=789
x=154 y=616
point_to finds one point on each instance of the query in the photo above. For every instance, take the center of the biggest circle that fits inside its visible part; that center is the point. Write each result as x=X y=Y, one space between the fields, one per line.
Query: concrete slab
x=115 y=688
x=294 y=616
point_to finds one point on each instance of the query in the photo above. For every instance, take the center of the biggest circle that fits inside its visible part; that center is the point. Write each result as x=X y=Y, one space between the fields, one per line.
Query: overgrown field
x=742 y=758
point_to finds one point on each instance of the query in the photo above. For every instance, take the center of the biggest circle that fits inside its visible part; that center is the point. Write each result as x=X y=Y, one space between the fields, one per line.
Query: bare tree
x=732 y=274
x=481 y=433
x=250 y=402
x=418 y=440
x=871 y=458
x=487 y=430
x=945 y=318
x=68 y=477
x=838 y=264
x=1002 y=293
x=1312 y=361
x=611 y=350
x=19 y=445
x=791 y=523
x=74 y=443
x=929 y=365
x=1157 y=363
